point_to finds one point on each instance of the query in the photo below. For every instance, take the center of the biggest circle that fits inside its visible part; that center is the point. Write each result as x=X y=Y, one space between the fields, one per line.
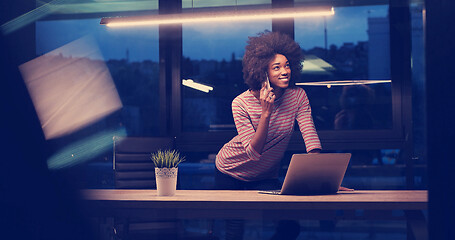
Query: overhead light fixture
x=218 y=16
x=198 y=86
x=329 y=84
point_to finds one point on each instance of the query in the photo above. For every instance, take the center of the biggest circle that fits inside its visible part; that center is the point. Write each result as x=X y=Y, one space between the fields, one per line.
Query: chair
x=132 y=165
x=133 y=169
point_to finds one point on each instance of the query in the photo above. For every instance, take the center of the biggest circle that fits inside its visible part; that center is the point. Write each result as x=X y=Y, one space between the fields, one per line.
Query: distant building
x=417 y=54
x=378 y=48
x=207 y=66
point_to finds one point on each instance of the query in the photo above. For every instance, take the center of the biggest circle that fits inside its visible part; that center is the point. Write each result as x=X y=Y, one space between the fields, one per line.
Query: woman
x=264 y=117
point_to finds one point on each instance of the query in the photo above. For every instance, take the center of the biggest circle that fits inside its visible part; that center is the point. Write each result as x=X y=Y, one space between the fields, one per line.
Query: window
x=212 y=55
x=418 y=87
x=353 y=45
x=131 y=56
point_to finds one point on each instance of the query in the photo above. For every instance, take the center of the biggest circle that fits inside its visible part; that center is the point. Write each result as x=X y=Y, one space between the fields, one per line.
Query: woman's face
x=279 y=72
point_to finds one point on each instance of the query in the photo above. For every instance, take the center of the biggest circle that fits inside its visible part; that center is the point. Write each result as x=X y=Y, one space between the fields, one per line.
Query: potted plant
x=166 y=163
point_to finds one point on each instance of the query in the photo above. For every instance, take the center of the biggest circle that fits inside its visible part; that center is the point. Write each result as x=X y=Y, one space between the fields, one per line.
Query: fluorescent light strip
x=198 y=86
x=329 y=84
x=218 y=16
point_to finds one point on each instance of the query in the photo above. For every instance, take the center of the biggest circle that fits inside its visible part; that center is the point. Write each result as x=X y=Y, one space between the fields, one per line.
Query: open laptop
x=314 y=174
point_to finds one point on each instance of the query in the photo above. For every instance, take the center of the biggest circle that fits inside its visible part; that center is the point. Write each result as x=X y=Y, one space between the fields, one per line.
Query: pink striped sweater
x=238 y=159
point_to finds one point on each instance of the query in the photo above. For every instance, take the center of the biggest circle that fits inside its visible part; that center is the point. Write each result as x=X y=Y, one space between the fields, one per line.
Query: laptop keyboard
x=273 y=192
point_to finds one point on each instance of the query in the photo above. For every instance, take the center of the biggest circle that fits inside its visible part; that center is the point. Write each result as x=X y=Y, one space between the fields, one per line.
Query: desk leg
x=417 y=225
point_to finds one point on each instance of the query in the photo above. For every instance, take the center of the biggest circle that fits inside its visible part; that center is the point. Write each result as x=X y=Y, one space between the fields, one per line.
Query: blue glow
x=84 y=150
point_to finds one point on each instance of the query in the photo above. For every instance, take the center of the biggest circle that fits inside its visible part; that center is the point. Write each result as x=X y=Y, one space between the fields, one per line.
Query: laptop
x=314 y=174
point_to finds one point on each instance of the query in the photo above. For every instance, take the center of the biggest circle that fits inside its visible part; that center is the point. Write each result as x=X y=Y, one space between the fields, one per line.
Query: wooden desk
x=192 y=204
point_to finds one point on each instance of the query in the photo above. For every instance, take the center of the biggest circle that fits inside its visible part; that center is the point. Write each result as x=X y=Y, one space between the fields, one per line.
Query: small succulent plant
x=166 y=158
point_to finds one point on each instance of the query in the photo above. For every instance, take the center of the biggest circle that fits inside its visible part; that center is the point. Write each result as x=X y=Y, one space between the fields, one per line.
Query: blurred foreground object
x=70 y=87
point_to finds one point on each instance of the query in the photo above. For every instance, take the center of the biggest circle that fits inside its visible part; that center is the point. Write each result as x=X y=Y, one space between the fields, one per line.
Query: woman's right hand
x=267 y=98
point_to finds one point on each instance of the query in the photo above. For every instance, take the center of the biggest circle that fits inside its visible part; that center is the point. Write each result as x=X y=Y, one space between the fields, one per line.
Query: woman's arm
x=306 y=125
x=267 y=98
x=253 y=138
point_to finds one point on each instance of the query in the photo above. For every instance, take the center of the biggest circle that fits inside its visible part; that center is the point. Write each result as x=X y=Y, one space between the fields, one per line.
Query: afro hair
x=261 y=49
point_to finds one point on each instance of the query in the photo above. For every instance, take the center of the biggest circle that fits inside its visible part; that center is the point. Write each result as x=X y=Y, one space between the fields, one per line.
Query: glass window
x=344 y=53
x=96 y=6
x=418 y=84
x=212 y=56
x=131 y=55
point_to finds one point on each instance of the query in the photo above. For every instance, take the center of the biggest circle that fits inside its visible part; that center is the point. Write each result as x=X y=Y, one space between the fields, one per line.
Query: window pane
x=131 y=56
x=418 y=83
x=95 y=6
x=212 y=56
x=346 y=49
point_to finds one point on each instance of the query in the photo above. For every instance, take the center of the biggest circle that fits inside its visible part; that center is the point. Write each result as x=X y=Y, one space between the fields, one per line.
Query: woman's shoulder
x=243 y=98
x=296 y=92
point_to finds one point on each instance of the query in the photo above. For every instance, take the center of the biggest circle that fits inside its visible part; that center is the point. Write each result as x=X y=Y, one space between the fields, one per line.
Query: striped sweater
x=238 y=159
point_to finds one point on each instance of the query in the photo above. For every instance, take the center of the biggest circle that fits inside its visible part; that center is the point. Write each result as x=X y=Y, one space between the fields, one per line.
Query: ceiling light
x=329 y=84
x=218 y=16
x=198 y=86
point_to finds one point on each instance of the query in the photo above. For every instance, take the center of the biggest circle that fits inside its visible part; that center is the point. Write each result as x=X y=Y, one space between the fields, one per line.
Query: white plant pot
x=166 y=181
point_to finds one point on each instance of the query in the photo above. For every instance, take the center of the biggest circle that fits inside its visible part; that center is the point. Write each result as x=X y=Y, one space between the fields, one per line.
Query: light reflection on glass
x=83 y=150
x=70 y=87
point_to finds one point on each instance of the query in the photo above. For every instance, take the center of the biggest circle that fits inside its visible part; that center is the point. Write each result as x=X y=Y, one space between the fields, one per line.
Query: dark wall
x=440 y=68
x=33 y=203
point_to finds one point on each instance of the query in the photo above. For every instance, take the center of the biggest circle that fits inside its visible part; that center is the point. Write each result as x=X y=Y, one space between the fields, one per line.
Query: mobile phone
x=267 y=81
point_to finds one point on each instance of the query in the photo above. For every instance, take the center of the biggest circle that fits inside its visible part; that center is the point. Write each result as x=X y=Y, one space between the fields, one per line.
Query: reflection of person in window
x=355 y=102
x=265 y=118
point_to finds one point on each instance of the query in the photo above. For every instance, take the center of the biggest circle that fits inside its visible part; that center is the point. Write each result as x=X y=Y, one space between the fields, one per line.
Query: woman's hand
x=316 y=150
x=267 y=98
x=341 y=188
